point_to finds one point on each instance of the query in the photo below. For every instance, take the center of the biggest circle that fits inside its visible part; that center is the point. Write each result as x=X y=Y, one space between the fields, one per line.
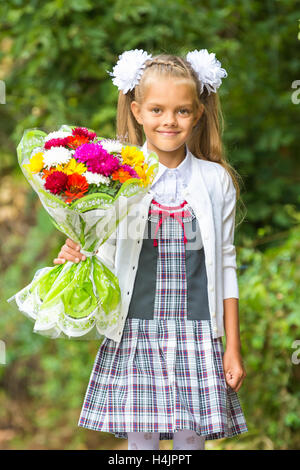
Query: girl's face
x=167 y=116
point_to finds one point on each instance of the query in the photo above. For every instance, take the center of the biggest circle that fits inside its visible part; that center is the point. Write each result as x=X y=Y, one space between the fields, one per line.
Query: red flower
x=76 y=187
x=83 y=131
x=75 y=141
x=56 y=182
x=61 y=142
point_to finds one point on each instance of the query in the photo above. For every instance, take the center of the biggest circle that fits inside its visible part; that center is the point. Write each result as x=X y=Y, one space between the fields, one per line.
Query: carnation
x=96 y=178
x=56 y=156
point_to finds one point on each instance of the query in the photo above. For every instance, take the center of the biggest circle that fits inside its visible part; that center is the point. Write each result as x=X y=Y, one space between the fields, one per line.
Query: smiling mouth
x=168 y=132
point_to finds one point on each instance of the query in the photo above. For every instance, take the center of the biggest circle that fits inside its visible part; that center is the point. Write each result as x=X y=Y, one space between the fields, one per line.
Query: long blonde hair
x=205 y=141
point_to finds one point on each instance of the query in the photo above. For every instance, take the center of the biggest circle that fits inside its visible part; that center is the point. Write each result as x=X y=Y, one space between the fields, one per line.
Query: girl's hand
x=234 y=370
x=70 y=252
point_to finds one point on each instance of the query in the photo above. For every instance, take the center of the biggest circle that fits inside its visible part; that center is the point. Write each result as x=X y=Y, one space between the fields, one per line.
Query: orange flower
x=77 y=186
x=75 y=141
x=121 y=175
x=46 y=172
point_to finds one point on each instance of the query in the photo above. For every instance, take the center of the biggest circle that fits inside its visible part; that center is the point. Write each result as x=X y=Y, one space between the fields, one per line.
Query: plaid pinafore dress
x=166 y=373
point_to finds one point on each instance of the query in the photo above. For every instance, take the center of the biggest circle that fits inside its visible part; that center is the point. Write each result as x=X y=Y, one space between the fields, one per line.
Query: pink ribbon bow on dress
x=163 y=212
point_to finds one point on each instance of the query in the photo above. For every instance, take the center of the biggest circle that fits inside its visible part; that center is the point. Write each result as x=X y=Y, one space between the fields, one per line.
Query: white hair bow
x=208 y=69
x=129 y=69
x=130 y=66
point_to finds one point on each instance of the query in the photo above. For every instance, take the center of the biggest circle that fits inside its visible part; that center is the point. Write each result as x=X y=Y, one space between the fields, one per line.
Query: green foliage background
x=54 y=57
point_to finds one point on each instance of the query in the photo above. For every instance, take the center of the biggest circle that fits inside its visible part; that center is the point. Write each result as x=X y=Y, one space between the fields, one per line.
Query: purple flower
x=97 y=159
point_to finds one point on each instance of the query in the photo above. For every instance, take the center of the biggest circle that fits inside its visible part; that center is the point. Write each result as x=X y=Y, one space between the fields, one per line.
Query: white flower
x=129 y=69
x=56 y=156
x=208 y=69
x=96 y=178
x=57 y=135
x=111 y=145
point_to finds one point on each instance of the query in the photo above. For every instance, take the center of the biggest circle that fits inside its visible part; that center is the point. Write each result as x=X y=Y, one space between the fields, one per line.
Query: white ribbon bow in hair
x=208 y=69
x=130 y=67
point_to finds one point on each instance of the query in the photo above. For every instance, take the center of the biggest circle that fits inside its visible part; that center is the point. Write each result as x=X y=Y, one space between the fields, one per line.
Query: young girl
x=168 y=377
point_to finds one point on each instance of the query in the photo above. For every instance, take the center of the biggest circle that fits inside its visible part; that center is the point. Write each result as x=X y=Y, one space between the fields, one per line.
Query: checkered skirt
x=166 y=373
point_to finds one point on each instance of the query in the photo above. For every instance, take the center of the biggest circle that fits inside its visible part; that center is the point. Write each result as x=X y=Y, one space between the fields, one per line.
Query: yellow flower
x=72 y=167
x=145 y=173
x=132 y=156
x=36 y=163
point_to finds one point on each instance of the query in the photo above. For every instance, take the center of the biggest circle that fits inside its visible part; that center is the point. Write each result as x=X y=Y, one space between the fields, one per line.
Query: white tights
x=184 y=439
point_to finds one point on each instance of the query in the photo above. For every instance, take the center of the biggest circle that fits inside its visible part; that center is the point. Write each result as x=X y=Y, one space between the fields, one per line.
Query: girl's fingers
x=59 y=261
x=71 y=255
x=236 y=383
x=72 y=244
x=69 y=252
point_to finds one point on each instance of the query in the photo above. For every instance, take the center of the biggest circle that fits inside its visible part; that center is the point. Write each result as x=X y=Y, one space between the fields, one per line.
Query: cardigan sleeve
x=230 y=282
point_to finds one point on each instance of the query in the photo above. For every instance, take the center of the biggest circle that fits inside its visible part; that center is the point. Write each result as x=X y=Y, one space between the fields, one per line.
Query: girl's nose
x=170 y=120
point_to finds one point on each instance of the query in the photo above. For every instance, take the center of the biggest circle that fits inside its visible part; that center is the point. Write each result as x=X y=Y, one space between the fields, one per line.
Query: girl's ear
x=136 y=111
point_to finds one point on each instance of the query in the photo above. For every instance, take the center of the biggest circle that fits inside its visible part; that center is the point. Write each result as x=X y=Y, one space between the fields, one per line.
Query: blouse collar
x=183 y=170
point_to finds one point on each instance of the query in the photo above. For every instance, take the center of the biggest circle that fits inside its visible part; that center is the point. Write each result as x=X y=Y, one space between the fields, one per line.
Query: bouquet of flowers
x=86 y=184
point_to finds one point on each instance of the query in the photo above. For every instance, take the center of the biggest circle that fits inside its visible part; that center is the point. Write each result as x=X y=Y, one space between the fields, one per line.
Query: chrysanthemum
x=132 y=155
x=72 y=167
x=76 y=187
x=57 y=135
x=111 y=146
x=104 y=166
x=56 y=156
x=97 y=159
x=36 y=163
x=56 y=182
x=96 y=178
x=89 y=151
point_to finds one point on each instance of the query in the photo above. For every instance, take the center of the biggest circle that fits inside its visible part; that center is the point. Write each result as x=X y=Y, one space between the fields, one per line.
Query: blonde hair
x=205 y=141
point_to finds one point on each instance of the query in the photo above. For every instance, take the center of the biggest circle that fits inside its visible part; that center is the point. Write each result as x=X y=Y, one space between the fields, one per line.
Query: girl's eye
x=186 y=111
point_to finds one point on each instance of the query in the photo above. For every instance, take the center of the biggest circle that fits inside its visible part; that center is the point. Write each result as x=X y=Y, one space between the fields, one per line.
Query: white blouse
x=169 y=183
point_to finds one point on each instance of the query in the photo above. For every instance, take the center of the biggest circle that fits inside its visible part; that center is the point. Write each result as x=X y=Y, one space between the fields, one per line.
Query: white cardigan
x=212 y=196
